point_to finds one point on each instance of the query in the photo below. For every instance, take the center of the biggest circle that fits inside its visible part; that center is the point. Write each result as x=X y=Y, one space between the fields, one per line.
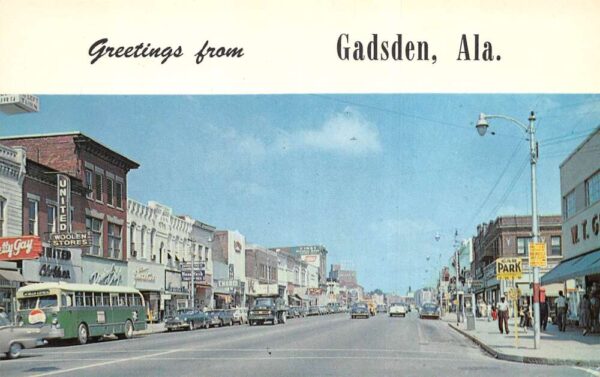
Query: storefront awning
x=224 y=297
x=583 y=265
x=11 y=275
x=295 y=298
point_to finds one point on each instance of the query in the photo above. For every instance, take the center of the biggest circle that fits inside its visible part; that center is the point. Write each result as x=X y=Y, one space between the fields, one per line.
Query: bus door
x=113 y=317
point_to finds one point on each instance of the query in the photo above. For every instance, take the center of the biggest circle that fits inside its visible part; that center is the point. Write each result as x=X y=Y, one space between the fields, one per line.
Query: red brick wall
x=48 y=191
x=61 y=153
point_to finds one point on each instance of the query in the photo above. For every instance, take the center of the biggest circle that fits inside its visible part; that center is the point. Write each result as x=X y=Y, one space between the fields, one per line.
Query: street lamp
x=482 y=126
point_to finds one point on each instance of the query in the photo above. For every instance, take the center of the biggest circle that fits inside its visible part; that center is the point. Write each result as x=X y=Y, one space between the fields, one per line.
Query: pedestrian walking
x=544 y=311
x=489 y=312
x=503 y=316
x=595 y=310
x=525 y=317
x=585 y=314
x=561 y=311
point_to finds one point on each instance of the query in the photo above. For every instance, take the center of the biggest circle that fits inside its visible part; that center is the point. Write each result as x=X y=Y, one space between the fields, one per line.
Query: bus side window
x=137 y=300
x=130 y=299
x=89 y=299
x=122 y=299
x=79 y=299
x=98 y=298
x=114 y=299
x=105 y=299
x=66 y=299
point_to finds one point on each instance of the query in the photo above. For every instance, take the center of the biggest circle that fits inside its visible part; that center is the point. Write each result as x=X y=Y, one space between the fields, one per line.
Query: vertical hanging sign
x=64 y=203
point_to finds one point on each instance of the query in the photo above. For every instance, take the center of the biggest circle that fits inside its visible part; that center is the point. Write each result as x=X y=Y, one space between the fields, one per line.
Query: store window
x=570 y=204
x=592 y=189
x=109 y=191
x=89 y=183
x=94 y=226
x=51 y=219
x=33 y=217
x=556 y=245
x=114 y=241
x=119 y=195
x=2 y=216
x=98 y=187
x=523 y=245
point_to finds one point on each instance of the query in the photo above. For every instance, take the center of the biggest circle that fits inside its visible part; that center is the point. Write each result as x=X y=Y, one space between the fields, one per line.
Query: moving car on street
x=187 y=319
x=14 y=339
x=429 y=310
x=359 y=310
x=397 y=309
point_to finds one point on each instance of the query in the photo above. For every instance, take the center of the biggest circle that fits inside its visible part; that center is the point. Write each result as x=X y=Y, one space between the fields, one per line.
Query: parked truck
x=268 y=308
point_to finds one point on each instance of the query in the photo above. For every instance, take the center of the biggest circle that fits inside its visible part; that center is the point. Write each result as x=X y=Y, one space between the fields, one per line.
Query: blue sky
x=372 y=177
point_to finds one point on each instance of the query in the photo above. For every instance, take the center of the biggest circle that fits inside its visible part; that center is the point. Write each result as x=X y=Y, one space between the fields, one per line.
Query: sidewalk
x=152 y=328
x=556 y=348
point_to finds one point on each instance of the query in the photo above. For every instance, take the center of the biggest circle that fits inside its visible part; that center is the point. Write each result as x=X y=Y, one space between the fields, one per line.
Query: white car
x=397 y=310
x=240 y=316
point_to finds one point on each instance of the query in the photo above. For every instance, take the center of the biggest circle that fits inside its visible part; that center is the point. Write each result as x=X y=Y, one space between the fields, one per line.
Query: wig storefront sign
x=20 y=248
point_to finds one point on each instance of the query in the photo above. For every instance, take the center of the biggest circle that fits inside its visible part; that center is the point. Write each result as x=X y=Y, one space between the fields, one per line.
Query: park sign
x=509 y=268
x=537 y=254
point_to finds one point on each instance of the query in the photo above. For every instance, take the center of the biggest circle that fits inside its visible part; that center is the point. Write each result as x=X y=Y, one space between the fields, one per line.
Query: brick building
x=40 y=214
x=509 y=236
x=261 y=272
x=103 y=172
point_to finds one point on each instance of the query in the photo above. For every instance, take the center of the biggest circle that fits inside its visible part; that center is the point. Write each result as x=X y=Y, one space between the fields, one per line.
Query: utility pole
x=457 y=269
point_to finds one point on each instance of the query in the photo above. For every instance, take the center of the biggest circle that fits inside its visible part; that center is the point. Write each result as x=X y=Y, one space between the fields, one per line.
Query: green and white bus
x=82 y=312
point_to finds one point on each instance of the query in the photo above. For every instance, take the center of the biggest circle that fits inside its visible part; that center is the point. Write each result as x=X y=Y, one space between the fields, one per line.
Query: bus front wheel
x=82 y=334
x=128 y=331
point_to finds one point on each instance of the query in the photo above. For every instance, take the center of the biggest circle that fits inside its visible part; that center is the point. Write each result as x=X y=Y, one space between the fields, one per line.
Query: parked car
x=240 y=316
x=187 y=319
x=303 y=311
x=398 y=309
x=314 y=310
x=226 y=317
x=323 y=310
x=294 y=312
x=213 y=318
x=429 y=310
x=14 y=339
x=359 y=310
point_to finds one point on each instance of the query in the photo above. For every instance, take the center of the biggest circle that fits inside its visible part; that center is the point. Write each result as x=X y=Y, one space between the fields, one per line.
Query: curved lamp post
x=482 y=126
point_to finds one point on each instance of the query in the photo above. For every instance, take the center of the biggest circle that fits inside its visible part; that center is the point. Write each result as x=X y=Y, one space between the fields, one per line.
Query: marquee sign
x=20 y=248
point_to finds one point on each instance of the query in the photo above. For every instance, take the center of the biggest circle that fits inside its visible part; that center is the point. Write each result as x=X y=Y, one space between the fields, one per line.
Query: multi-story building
x=509 y=236
x=104 y=175
x=12 y=174
x=202 y=236
x=40 y=218
x=580 y=191
x=262 y=267
x=159 y=244
x=315 y=255
x=229 y=286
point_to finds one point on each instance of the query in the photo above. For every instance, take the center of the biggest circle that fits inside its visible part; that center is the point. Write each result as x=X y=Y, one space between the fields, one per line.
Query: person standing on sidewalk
x=584 y=314
x=561 y=311
x=544 y=311
x=503 y=316
x=595 y=310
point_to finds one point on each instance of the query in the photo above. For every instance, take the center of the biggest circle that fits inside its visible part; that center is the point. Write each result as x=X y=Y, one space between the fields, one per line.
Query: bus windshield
x=49 y=301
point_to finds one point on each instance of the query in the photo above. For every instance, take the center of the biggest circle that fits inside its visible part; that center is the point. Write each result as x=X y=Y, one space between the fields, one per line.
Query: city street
x=332 y=345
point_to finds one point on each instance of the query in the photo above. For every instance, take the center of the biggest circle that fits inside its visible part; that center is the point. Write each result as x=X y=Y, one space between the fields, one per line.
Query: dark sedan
x=359 y=310
x=187 y=319
x=429 y=311
x=213 y=318
x=226 y=317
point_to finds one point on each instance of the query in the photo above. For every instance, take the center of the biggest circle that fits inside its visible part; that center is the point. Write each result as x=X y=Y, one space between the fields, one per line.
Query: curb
x=526 y=359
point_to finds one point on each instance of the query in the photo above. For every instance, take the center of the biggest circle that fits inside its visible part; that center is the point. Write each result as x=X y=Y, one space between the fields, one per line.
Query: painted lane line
x=590 y=371
x=102 y=364
x=370 y=350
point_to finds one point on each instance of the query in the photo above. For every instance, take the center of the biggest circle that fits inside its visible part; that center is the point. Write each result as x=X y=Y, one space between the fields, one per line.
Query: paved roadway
x=331 y=345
